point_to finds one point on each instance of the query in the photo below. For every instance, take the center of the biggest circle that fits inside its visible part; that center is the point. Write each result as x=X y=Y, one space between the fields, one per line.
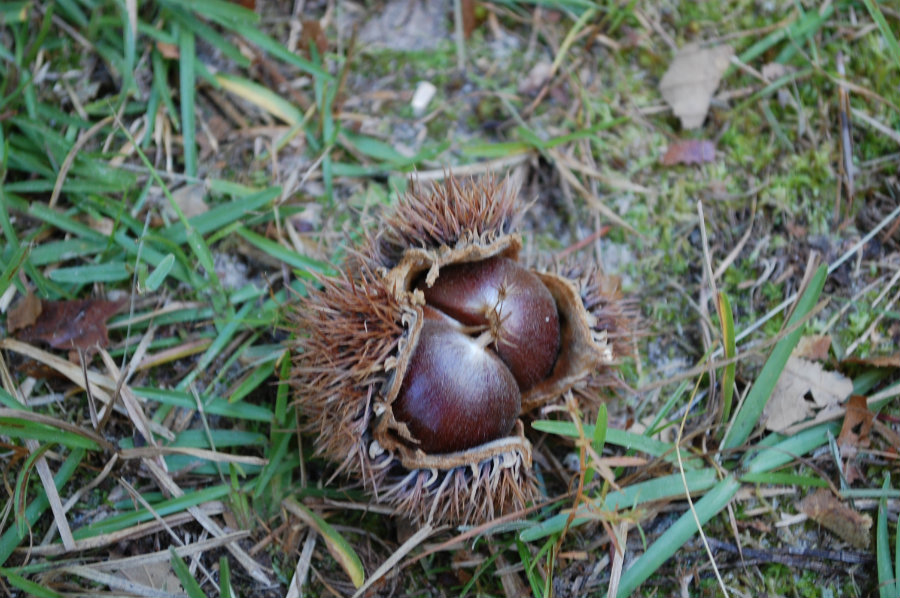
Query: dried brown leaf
x=814 y=347
x=846 y=523
x=77 y=324
x=803 y=389
x=857 y=428
x=536 y=78
x=168 y=51
x=24 y=313
x=469 y=17
x=692 y=79
x=690 y=151
x=312 y=34
x=190 y=199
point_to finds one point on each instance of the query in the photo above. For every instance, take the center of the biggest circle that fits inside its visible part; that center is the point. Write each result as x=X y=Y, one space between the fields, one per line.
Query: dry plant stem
x=301 y=571
x=135 y=495
x=687 y=494
x=166 y=483
x=70 y=158
x=417 y=538
x=847 y=167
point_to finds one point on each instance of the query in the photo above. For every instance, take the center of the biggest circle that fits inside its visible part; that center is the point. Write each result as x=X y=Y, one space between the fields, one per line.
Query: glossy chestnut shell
x=491 y=332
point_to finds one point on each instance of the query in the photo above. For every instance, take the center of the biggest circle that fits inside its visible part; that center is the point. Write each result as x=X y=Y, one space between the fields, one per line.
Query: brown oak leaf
x=73 y=324
x=826 y=510
x=690 y=151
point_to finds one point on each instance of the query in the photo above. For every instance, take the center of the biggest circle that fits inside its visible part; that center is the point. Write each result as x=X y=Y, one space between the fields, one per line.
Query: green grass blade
x=726 y=318
x=747 y=418
x=190 y=585
x=283 y=254
x=534 y=580
x=159 y=273
x=768 y=458
x=886 y=32
x=12 y=267
x=105 y=272
x=214 y=406
x=662 y=488
x=187 y=83
x=122 y=521
x=224 y=337
x=29 y=587
x=676 y=536
x=627 y=440
x=598 y=440
x=22 y=487
x=887 y=582
x=225 y=589
x=339 y=548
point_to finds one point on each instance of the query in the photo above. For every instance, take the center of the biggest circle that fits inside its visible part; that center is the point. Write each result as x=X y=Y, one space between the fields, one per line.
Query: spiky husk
x=351 y=329
x=360 y=332
x=449 y=214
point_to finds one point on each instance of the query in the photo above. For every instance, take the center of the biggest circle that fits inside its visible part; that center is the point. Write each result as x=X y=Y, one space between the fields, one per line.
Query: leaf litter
x=78 y=324
x=803 y=390
x=691 y=80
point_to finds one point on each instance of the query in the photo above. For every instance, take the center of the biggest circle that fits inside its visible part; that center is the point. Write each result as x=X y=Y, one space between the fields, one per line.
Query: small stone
x=422 y=97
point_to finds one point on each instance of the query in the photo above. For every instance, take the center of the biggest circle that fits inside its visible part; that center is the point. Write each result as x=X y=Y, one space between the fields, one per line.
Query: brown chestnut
x=456 y=394
x=512 y=303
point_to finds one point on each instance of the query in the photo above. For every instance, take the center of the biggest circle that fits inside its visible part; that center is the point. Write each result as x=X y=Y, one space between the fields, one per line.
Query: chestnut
x=456 y=394
x=416 y=367
x=512 y=303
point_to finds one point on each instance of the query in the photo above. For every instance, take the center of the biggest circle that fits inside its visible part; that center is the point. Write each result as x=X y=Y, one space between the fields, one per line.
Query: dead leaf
x=190 y=199
x=774 y=70
x=814 y=347
x=77 y=324
x=312 y=34
x=804 y=388
x=855 y=433
x=690 y=151
x=536 y=78
x=24 y=313
x=168 y=51
x=692 y=79
x=156 y=575
x=469 y=17
x=826 y=510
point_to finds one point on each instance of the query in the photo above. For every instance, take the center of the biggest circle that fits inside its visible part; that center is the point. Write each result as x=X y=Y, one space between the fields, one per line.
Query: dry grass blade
x=132 y=405
x=119 y=583
x=162 y=556
x=66 y=368
x=417 y=538
x=70 y=158
x=592 y=199
x=132 y=533
x=301 y=571
x=166 y=483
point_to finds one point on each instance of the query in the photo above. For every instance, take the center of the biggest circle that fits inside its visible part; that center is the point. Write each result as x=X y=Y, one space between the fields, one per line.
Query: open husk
x=357 y=332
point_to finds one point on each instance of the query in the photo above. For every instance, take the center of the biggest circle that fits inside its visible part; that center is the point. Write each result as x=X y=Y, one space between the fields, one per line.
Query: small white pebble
x=422 y=97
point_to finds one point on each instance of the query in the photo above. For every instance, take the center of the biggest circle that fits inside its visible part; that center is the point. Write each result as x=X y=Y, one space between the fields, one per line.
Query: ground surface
x=165 y=195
